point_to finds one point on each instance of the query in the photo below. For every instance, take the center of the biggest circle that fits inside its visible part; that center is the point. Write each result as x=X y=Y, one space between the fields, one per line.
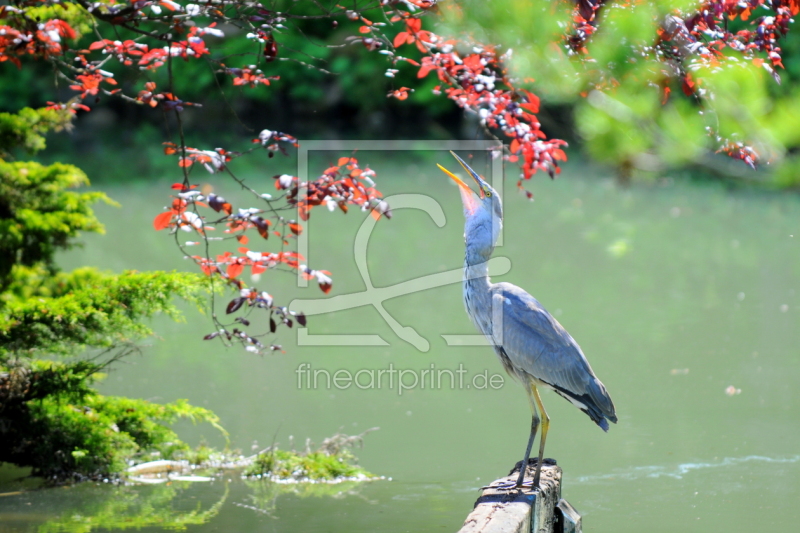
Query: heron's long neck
x=476 y=285
x=476 y=267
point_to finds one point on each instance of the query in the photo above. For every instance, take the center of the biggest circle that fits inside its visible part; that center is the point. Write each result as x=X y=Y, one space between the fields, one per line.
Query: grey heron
x=532 y=346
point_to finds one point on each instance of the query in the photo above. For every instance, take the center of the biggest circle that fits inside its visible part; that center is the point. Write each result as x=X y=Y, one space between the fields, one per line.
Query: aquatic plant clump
x=333 y=461
x=289 y=465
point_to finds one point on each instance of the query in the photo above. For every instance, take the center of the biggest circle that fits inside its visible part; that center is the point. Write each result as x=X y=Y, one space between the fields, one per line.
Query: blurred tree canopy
x=659 y=85
x=644 y=86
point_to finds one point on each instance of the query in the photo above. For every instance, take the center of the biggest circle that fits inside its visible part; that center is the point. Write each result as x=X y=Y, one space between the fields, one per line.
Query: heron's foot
x=532 y=462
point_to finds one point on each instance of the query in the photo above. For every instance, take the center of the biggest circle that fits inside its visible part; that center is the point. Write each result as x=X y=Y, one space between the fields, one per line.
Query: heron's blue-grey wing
x=535 y=342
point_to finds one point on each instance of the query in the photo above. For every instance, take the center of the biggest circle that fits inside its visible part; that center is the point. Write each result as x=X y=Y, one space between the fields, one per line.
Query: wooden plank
x=568 y=519
x=510 y=510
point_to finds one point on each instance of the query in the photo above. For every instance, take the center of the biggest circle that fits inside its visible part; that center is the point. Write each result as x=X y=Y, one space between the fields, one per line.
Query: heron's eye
x=488 y=193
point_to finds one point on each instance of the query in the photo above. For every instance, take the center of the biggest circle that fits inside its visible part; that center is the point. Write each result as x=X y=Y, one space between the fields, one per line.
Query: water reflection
x=89 y=507
x=264 y=494
x=173 y=505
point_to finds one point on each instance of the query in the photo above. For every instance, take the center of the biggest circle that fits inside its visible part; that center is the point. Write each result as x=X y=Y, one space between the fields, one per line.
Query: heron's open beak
x=471 y=172
x=468 y=196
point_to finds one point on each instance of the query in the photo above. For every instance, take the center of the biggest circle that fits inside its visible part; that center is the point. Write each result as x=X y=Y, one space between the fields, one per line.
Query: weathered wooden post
x=503 y=508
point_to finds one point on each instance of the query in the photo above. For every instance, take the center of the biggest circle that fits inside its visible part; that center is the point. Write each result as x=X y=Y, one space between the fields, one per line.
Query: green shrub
x=51 y=418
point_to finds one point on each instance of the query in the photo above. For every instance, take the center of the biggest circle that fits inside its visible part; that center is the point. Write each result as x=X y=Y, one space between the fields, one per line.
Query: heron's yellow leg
x=545 y=427
x=534 y=426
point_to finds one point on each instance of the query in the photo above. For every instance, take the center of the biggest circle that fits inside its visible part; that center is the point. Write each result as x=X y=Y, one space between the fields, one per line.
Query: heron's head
x=483 y=210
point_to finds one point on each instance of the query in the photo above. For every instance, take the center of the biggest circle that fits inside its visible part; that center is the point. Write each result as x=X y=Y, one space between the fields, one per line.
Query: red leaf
x=473 y=62
x=296 y=228
x=162 y=220
x=400 y=39
x=242 y=238
x=532 y=99
x=234 y=270
x=326 y=287
x=687 y=84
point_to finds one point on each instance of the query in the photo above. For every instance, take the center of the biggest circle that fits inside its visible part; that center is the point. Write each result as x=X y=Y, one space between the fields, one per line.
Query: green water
x=675 y=292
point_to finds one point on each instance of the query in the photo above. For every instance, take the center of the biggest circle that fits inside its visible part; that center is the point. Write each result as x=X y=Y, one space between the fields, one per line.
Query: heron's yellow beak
x=468 y=196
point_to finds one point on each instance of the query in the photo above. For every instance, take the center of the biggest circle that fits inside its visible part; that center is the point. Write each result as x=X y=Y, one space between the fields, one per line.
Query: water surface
x=676 y=292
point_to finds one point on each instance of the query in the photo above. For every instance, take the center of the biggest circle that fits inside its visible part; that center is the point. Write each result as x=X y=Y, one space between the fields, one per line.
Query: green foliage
x=26 y=129
x=52 y=420
x=332 y=461
x=97 y=310
x=788 y=175
x=317 y=465
x=50 y=416
x=37 y=216
x=72 y=13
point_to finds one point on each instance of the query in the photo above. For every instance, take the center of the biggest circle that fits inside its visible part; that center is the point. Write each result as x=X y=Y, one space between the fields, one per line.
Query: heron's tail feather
x=596 y=403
